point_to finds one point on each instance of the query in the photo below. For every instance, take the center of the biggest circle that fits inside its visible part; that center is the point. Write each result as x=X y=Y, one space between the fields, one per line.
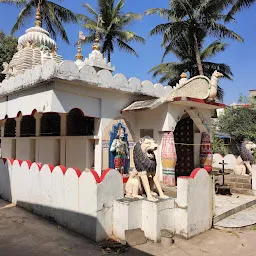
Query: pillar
x=37 y=116
x=254 y=179
x=18 y=121
x=206 y=151
x=98 y=156
x=2 y=127
x=63 y=124
x=168 y=158
x=17 y=134
x=63 y=133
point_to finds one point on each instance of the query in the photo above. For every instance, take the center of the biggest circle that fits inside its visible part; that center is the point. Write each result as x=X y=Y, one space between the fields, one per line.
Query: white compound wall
x=80 y=201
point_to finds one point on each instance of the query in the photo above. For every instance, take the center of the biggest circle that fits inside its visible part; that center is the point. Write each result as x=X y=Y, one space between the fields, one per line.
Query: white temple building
x=67 y=113
x=59 y=118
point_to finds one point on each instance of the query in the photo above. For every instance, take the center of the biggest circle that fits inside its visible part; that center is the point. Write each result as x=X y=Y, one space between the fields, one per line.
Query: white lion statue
x=145 y=164
x=245 y=160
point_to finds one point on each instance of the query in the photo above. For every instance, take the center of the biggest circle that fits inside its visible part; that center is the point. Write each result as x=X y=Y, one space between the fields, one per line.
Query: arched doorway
x=78 y=124
x=184 y=140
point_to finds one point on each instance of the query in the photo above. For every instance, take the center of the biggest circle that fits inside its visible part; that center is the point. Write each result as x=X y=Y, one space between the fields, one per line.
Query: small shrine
x=71 y=131
x=61 y=112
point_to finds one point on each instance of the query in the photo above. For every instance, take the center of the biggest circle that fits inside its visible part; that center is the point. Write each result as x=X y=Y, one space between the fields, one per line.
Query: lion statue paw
x=152 y=199
x=133 y=185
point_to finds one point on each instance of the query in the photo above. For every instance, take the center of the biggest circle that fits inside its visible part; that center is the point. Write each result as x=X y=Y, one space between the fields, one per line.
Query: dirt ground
x=26 y=234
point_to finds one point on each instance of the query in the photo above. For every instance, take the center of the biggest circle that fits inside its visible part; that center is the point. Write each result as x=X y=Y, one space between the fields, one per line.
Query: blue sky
x=240 y=56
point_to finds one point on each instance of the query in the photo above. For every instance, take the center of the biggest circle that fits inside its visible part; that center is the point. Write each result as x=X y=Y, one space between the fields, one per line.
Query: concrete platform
x=226 y=206
x=151 y=217
x=241 y=219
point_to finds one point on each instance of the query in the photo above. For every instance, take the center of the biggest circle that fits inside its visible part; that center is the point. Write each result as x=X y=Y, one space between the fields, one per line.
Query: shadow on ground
x=23 y=234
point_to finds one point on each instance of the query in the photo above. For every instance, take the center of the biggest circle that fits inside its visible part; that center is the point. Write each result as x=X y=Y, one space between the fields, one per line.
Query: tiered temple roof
x=34 y=48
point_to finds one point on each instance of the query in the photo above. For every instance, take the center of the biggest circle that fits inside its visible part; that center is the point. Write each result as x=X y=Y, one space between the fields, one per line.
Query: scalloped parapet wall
x=229 y=160
x=87 y=75
x=80 y=201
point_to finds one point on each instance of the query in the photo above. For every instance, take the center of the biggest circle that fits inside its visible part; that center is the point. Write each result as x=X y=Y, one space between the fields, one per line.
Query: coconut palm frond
x=114 y=30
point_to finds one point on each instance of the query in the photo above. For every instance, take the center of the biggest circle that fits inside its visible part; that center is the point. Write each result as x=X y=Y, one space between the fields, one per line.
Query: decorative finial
x=96 y=45
x=38 y=15
x=79 y=55
x=183 y=75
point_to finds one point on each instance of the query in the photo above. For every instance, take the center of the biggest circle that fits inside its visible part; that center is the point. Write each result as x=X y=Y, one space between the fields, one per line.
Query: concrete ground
x=243 y=218
x=226 y=203
x=25 y=234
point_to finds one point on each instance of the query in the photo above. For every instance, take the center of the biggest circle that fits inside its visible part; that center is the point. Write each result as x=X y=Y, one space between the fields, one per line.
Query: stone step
x=240 y=219
x=239 y=185
x=232 y=206
x=236 y=179
x=242 y=191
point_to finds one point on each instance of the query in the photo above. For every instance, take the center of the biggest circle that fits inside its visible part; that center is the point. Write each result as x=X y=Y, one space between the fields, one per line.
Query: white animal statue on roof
x=214 y=85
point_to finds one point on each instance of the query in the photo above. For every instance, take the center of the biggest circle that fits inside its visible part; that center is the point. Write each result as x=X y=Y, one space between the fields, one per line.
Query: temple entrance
x=184 y=135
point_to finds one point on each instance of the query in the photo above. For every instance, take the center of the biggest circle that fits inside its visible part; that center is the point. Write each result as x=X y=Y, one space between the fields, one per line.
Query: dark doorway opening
x=184 y=140
x=50 y=124
x=10 y=128
x=28 y=126
x=78 y=124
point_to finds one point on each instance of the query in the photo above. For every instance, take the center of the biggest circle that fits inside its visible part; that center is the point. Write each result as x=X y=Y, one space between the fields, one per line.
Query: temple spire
x=96 y=58
x=96 y=45
x=79 y=55
x=38 y=15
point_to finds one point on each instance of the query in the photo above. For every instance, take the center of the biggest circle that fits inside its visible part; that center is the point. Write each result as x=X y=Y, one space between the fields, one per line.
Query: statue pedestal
x=149 y=216
x=254 y=178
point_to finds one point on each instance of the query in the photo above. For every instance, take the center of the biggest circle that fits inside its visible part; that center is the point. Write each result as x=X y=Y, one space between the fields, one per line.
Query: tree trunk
x=198 y=57
x=109 y=56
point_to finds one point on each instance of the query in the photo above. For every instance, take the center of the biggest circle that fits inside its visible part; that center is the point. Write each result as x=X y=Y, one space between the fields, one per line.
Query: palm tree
x=193 y=19
x=113 y=30
x=184 y=51
x=237 y=6
x=53 y=15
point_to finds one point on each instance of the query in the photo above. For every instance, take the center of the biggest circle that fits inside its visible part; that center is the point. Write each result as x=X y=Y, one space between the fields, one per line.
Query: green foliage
x=8 y=47
x=189 y=23
x=243 y=99
x=237 y=6
x=218 y=146
x=53 y=15
x=239 y=122
x=170 y=72
x=114 y=31
x=193 y=20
